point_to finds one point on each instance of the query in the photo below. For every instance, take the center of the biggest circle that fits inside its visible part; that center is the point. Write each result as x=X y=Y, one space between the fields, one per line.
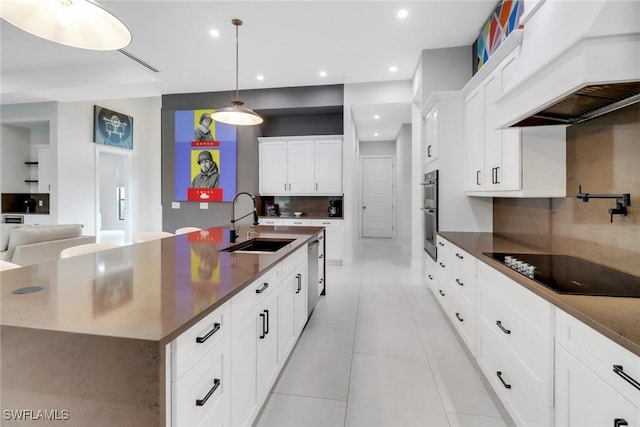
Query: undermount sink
x=261 y=245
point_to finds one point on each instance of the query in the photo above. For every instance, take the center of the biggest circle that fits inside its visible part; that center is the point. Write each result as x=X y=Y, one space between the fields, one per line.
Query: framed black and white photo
x=112 y=128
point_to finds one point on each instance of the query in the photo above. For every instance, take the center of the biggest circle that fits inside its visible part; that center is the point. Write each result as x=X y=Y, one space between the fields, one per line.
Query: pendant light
x=237 y=114
x=76 y=23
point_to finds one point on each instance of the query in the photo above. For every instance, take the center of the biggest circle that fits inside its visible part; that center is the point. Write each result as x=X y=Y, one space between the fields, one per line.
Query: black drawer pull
x=502 y=381
x=459 y=282
x=430 y=277
x=620 y=422
x=261 y=290
x=440 y=243
x=441 y=293
x=267 y=330
x=619 y=370
x=264 y=333
x=459 y=318
x=441 y=264
x=299 y=277
x=502 y=328
x=216 y=384
x=459 y=256
x=321 y=256
x=216 y=328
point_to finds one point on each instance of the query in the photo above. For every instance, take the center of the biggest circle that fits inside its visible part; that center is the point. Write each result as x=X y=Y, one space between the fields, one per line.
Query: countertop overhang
x=617 y=318
x=148 y=291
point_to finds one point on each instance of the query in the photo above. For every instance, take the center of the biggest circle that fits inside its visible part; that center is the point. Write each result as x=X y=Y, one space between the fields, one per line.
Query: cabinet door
x=268 y=362
x=273 y=167
x=492 y=137
x=328 y=167
x=45 y=170
x=431 y=134
x=333 y=233
x=286 y=333
x=474 y=140
x=300 y=291
x=244 y=353
x=583 y=399
x=300 y=167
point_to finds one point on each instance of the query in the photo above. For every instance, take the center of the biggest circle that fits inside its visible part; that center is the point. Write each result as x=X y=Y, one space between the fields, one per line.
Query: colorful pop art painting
x=503 y=20
x=205 y=158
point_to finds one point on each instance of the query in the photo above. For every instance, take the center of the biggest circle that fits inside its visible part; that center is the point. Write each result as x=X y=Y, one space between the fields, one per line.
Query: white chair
x=87 y=249
x=146 y=236
x=6 y=265
x=185 y=230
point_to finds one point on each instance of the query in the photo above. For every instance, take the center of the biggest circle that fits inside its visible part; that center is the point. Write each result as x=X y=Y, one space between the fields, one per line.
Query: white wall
x=377 y=148
x=77 y=165
x=403 y=187
x=15 y=149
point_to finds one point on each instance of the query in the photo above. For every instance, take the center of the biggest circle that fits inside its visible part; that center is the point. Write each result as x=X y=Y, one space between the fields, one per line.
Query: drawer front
x=444 y=264
x=203 y=392
x=520 y=335
x=462 y=262
x=326 y=222
x=192 y=345
x=465 y=283
x=527 y=402
x=298 y=222
x=293 y=261
x=244 y=301
x=600 y=355
x=464 y=318
x=432 y=282
x=538 y=311
x=270 y=221
x=443 y=294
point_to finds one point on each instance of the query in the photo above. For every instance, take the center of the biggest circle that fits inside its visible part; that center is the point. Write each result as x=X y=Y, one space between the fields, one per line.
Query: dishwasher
x=312 y=276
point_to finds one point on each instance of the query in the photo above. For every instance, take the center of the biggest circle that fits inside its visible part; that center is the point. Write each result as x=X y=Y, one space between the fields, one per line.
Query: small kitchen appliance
x=335 y=208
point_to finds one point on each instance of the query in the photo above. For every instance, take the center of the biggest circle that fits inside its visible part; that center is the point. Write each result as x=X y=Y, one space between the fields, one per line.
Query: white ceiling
x=288 y=42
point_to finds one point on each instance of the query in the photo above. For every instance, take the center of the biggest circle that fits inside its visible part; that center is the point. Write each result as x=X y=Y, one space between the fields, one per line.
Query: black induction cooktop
x=570 y=275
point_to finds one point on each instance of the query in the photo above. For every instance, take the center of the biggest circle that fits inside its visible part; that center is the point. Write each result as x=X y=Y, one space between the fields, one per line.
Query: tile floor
x=378 y=351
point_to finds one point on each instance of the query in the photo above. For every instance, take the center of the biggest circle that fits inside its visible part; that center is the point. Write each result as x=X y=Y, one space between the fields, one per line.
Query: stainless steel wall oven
x=430 y=212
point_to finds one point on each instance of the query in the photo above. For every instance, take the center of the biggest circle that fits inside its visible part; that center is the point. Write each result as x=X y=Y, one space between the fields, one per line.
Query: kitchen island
x=93 y=346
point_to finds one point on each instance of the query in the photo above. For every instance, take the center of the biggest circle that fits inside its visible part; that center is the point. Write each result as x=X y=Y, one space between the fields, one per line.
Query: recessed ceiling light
x=214 y=33
x=260 y=77
x=376 y=134
x=377 y=116
x=402 y=13
x=323 y=74
x=393 y=68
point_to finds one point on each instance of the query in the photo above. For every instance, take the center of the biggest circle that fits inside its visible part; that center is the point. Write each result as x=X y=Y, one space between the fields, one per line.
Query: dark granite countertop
x=617 y=318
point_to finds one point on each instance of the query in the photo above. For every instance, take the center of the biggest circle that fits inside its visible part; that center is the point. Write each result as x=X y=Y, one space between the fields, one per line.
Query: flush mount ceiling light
x=237 y=114
x=77 y=23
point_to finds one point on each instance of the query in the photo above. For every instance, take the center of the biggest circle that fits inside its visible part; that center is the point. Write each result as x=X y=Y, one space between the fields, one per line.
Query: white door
x=377 y=197
x=112 y=210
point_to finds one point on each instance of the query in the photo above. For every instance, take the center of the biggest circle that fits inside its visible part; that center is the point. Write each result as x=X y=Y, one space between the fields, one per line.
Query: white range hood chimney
x=578 y=60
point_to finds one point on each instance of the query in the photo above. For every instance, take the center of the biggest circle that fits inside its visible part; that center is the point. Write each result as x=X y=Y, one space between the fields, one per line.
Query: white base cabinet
x=333 y=236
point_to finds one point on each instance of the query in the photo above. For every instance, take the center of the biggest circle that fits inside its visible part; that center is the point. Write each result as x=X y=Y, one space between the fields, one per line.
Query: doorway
x=112 y=195
x=378 y=195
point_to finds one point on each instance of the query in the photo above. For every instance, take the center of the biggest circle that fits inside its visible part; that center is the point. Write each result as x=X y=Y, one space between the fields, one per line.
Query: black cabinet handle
x=459 y=256
x=441 y=264
x=430 y=277
x=216 y=384
x=267 y=330
x=321 y=237
x=459 y=282
x=441 y=293
x=497 y=180
x=441 y=244
x=477 y=177
x=428 y=151
x=618 y=369
x=506 y=331
x=299 y=277
x=321 y=256
x=502 y=381
x=261 y=290
x=459 y=318
x=264 y=333
x=620 y=422
x=216 y=328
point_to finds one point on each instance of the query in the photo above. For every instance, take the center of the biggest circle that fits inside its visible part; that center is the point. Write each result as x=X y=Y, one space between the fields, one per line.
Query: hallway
x=378 y=351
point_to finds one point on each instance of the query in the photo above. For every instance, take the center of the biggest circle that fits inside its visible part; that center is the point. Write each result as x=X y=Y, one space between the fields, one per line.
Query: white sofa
x=33 y=244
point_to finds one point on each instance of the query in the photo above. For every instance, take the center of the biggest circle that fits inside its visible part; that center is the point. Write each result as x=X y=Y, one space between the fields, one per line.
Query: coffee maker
x=335 y=208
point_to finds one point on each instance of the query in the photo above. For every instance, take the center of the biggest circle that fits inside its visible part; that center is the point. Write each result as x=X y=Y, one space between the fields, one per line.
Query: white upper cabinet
x=45 y=170
x=509 y=162
x=308 y=165
x=431 y=134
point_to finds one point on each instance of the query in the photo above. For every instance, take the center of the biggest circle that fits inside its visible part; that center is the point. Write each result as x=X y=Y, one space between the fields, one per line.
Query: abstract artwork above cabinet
x=302 y=165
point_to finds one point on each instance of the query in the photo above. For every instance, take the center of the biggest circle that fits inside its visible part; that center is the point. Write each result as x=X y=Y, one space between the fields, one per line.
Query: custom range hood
x=578 y=60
